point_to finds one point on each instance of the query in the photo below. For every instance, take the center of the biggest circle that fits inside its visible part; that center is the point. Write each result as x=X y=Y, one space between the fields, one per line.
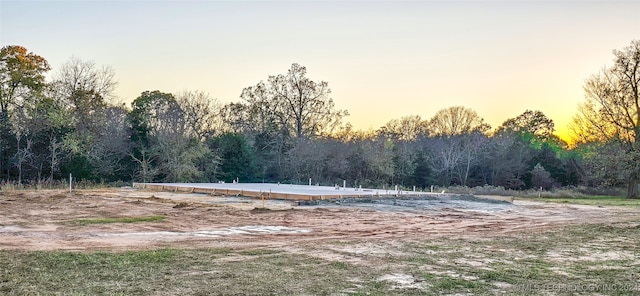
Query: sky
x=382 y=59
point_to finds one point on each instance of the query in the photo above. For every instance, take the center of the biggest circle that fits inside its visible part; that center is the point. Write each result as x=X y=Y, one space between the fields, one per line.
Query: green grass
x=340 y=265
x=593 y=200
x=117 y=220
x=166 y=272
x=258 y=252
x=448 y=283
x=605 y=256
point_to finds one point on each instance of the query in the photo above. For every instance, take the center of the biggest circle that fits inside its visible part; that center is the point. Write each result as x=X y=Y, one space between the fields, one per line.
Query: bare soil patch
x=43 y=220
x=131 y=242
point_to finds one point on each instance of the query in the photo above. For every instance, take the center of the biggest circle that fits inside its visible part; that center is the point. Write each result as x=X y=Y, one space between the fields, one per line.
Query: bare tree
x=56 y=148
x=456 y=120
x=306 y=159
x=23 y=153
x=77 y=74
x=612 y=110
x=85 y=90
x=337 y=158
x=162 y=139
x=146 y=171
x=471 y=146
x=112 y=145
x=407 y=128
x=299 y=105
x=201 y=113
x=445 y=155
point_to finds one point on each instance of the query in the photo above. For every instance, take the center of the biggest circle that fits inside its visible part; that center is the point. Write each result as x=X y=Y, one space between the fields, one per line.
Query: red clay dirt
x=48 y=220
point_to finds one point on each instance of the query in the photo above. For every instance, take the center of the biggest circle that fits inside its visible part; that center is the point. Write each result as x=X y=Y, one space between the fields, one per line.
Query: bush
x=609 y=191
x=564 y=192
x=483 y=190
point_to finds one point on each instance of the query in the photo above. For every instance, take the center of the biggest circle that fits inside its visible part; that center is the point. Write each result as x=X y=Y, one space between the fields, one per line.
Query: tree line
x=287 y=129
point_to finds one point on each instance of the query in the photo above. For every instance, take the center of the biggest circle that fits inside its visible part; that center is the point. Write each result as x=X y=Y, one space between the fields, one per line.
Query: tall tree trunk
x=2 y=152
x=4 y=134
x=632 y=190
x=19 y=157
x=634 y=177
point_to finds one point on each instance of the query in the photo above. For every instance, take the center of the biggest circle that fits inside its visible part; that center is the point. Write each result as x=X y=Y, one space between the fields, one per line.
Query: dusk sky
x=382 y=59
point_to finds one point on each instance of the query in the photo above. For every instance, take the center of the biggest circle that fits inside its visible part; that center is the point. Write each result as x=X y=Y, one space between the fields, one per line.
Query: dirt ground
x=48 y=220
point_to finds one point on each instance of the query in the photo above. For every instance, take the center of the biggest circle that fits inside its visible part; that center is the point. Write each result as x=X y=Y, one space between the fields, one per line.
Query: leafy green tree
x=548 y=159
x=264 y=133
x=57 y=125
x=22 y=75
x=306 y=159
x=39 y=126
x=165 y=147
x=540 y=178
x=150 y=116
x=603 y=164
x=533 y=123
x=276 y=113
x=378 y=156
x=403 y=163
x=422 y=175
x=506 y=160
x=147 y=120
x=111 y=146
x=534 y=132
x=236 y=158
x=99 y=146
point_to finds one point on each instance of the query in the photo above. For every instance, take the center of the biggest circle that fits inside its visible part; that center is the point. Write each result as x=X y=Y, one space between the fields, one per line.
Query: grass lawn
x=584 y=259
x=117 y=220
x=591 y=200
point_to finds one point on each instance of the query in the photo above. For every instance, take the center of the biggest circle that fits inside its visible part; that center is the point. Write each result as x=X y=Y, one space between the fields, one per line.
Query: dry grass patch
x=81 y=222
x=554 y=262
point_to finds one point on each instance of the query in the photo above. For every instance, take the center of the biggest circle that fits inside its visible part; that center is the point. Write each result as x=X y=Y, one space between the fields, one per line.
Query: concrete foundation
x=286 y=191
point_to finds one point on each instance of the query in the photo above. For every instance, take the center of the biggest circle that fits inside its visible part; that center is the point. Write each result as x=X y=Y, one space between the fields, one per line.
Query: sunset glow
x=383 y=60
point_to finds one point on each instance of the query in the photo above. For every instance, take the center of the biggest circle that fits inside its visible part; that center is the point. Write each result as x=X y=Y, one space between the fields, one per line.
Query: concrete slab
x=279 y=191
